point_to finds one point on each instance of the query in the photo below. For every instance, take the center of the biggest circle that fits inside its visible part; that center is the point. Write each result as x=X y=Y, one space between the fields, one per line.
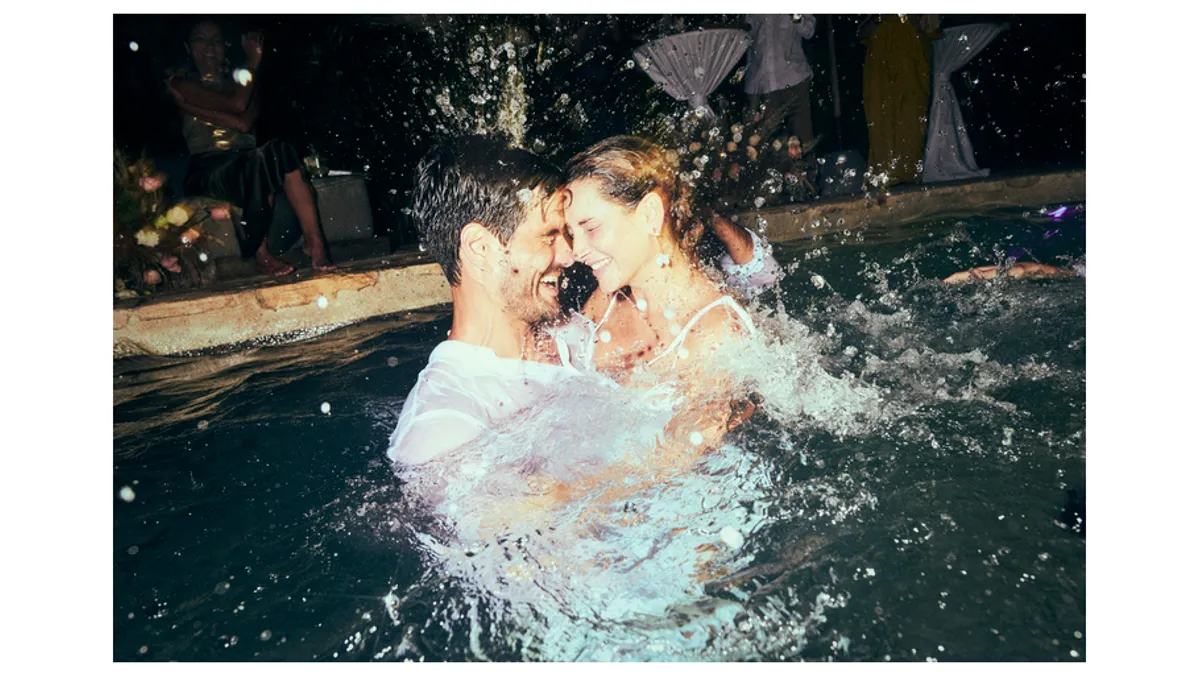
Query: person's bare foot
x=320 y=257
x=321 y=262
x=270 y=264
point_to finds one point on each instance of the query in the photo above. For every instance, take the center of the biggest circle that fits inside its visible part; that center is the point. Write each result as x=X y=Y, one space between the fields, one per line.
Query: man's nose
x=579 y=245
x=563 y=255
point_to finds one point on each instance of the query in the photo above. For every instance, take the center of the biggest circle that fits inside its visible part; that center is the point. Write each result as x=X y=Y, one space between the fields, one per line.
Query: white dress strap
x=725 y=300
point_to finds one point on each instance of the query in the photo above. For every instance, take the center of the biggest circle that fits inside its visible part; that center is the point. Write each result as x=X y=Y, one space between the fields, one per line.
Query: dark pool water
x=251 y=524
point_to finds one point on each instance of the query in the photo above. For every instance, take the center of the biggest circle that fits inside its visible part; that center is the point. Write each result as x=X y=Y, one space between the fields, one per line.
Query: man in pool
x=492 y=217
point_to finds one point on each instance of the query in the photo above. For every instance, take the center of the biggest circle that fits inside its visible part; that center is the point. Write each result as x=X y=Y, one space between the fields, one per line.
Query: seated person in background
x=219 y=115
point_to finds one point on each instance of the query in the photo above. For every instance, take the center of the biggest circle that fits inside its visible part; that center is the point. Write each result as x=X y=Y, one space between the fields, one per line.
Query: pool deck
x=303 y=304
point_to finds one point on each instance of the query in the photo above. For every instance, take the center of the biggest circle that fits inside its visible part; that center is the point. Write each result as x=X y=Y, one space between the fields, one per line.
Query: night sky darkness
x=346 y=85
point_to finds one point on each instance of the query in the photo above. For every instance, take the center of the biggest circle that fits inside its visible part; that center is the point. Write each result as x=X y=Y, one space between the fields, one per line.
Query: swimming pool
x=923 y=499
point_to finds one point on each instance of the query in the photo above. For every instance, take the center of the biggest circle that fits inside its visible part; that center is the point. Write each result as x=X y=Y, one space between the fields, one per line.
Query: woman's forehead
x=582 y=193
x=205 y=29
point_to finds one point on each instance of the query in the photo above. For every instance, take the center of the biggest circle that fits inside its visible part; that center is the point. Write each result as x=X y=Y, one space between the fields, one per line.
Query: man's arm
x=431 y=435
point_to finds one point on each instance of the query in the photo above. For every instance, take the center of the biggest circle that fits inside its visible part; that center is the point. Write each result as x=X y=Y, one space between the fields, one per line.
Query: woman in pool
x=219 y=115
x=630 y=217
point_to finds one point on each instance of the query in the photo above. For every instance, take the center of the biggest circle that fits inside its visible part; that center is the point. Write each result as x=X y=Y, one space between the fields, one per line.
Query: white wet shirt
x=463 y=391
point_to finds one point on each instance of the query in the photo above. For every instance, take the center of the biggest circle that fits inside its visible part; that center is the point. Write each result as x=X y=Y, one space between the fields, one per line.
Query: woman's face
x=207 y=47
x=617 y=242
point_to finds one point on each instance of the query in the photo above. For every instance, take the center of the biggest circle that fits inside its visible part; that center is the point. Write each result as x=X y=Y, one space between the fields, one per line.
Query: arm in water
x=696 y=430
x=1020 y=270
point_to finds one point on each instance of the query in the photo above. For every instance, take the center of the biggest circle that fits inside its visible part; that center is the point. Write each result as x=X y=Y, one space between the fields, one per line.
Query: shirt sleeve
x=750 y=278
x=431 y=435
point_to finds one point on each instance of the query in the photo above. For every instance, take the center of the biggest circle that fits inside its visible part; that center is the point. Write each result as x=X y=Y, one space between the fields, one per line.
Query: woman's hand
x=252 y=44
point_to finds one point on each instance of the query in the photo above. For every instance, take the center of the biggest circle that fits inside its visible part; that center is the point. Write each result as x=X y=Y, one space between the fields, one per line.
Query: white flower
x=178 y=215
x=147 y=237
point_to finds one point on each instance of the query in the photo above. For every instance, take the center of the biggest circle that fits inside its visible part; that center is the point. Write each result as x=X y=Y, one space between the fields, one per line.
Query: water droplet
x=222 y=588
x=605 y=336
x=265 y=635
x=732 y=537
x=322 y=302
x=641 y=304
x=202 y=425
x=325 y=407
x=133 y=46
x=393 y=362
x=696 y=438
x=126 y=494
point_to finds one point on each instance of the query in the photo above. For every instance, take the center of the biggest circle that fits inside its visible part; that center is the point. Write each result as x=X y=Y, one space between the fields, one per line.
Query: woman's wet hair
x=478 y=179
x=628 y=168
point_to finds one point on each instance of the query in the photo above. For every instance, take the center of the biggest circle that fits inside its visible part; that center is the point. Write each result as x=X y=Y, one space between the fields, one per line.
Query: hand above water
x=252 y=44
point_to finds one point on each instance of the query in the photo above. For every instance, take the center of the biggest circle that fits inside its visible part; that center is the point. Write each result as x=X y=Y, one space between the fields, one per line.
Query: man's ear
x=652 y=211
x=476 y=245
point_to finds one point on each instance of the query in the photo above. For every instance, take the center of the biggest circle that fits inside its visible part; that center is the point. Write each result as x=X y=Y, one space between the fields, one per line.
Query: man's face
x=536 y=255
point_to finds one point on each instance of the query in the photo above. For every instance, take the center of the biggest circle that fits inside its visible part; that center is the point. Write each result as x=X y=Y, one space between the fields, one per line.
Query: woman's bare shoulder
x=719 y=325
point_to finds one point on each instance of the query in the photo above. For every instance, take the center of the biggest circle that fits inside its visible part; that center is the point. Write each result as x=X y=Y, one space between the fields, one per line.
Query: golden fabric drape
x=896 y=91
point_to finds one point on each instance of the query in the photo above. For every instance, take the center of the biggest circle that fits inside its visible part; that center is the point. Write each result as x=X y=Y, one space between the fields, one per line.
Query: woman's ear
x=652 y=211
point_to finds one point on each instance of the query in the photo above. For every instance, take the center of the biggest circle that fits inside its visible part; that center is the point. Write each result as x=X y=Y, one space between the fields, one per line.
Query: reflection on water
x=910 y=489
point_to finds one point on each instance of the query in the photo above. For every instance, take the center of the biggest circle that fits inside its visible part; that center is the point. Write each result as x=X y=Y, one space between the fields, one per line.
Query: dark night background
x=360 y=90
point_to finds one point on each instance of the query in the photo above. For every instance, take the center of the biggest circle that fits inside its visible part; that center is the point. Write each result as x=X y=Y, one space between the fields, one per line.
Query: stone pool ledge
x=261 y=308
x=907 y=204
x=293 y=307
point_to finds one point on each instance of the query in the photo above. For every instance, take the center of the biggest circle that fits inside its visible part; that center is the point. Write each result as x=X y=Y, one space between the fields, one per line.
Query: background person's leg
x=300 y=195
x=801 y=109
x=285 y=228
x=773 y=114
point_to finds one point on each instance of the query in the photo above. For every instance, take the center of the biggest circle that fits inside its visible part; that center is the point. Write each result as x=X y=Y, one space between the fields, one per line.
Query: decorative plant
x=156 y=244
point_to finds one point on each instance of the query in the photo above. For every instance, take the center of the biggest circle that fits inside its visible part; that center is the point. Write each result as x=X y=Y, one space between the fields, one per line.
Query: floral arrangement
x=156 y=244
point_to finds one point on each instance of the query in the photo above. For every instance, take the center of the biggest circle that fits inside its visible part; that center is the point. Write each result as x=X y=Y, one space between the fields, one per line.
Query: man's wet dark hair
x=477 y=179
